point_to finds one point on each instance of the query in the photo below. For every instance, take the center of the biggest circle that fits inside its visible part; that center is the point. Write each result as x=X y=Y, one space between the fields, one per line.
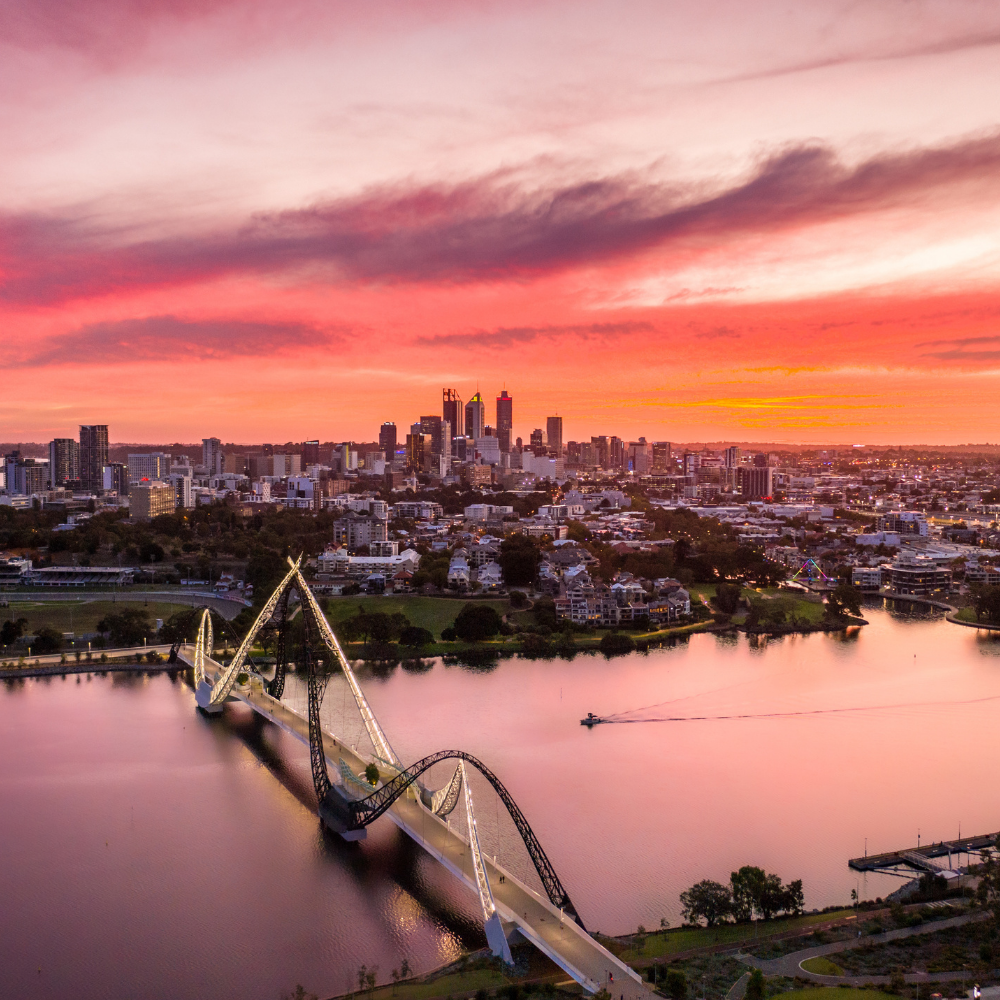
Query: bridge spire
x=491 y=919
x=211 y=699
x=382 y=747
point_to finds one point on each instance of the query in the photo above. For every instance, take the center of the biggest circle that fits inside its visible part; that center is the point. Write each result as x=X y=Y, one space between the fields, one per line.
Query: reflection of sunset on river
x=207 y=827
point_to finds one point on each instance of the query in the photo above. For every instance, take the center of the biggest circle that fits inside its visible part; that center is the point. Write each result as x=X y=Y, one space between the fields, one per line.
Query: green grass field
x=662 y=944
x=434 y=613
x=80 y=616
x=838 y=993
x=821 y=966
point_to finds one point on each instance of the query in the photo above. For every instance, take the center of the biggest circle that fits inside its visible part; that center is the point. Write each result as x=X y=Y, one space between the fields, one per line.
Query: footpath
x=791 y=965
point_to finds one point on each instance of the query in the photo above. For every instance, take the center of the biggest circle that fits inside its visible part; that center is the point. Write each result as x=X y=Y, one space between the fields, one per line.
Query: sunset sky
x=277 y=220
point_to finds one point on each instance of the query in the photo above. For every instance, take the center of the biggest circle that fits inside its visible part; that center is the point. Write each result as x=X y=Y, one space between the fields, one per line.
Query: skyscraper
x=211 y=455
x=64 y=461
x=475 y=417
x=505 y=420
x=387 y=439
x=93 y=455
x=553 y=432
x=661 y=456
x=451 y=410
x=310 y=453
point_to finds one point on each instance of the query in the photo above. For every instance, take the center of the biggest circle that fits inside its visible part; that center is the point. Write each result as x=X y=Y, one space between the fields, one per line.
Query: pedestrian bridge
x=348 y=802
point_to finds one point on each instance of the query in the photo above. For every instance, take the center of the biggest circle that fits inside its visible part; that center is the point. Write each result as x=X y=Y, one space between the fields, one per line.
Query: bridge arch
x=365 y=811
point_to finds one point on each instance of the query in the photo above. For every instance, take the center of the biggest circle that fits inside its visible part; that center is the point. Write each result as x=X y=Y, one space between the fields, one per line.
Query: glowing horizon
x=265 y=222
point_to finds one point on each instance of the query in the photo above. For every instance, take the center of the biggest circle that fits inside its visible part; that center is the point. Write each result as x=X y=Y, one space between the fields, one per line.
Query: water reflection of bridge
x=348 y=802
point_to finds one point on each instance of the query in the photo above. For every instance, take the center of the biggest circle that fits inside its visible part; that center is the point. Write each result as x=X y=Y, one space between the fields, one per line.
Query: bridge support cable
x=222 y=687
x=491 y=919
x=382 y=747
x=361 y=813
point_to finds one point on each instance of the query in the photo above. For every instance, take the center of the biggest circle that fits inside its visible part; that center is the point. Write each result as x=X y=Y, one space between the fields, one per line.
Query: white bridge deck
x=559 y=937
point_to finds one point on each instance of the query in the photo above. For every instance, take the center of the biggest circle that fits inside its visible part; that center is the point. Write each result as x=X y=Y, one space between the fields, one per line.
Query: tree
x=845 y=599
x=709 y=900
x=126 y=628
x=747 y=884
x=519 y=559
x=675 y=984
x=12 y=630
x=727 y=596
x=47 y=640
x=986 y=602
x=371 y=773
x=476 y=622
x=180 y=627
x=617 y=644
x=755 y=986
x=412 y=635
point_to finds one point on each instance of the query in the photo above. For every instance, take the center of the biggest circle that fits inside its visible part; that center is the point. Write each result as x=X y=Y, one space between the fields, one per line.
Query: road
x=570 y=947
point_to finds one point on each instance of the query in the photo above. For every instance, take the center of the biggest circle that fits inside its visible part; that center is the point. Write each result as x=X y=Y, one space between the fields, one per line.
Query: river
x=150 y=852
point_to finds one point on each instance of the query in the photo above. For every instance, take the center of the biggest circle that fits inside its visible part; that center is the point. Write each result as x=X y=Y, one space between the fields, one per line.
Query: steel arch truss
x=222 y=687
x=366 y=811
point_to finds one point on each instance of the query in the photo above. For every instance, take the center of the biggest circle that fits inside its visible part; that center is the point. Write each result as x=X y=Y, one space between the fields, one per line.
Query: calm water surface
x=148 y=852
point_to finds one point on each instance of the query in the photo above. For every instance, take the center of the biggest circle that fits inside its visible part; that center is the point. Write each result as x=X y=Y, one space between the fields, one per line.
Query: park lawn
x=661 y=944
x=433 y=613
x=809 y=607
x=821 y=966
x=81 y=616
x=838 y=993
x=967 y=615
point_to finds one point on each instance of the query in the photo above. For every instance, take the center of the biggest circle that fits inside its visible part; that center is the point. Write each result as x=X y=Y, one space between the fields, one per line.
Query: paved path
x=790 y=965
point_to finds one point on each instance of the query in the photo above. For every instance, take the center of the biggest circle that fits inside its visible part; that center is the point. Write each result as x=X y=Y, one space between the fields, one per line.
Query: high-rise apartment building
x=616 y=453
x=290 y=465
x=475 y=417
x=93 y=456
x=661 y=456
x=537 y=441
x=183 y=497
x=452 y=411
x=639 y=457
x=154 y=466
x=387 y=439
x=505 y=420
x=116 y=478
x=234 y=464
x=756 y=481
x=418 y=447
x=600 y=446
x=553 y=435
x=732 y=456
x=147 y=500
x=211 y=456
x=64 y=462
x=310 y=453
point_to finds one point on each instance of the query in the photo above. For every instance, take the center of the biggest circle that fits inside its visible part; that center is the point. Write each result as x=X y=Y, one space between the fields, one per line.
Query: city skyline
x=735 y=223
